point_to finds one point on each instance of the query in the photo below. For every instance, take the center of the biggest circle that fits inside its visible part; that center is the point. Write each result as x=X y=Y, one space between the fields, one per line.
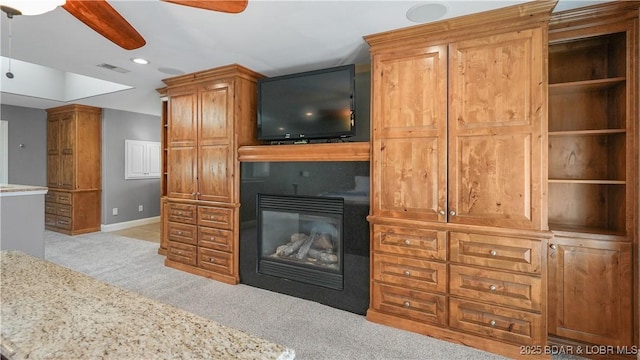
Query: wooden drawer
x=410 y=273
x=183 y=213
x=496 y=287
x=428 y=244
x=514 y=326
x=64 y=198
x=218 y=261
x=215 y=217
x=63 y=210
x=50 y=220
x=495 y=251
x=50 y=208
x=51 y=196
x=64 y=222
x=183 y=233
x=410 y=304
x=215 y=239
x=182 y=253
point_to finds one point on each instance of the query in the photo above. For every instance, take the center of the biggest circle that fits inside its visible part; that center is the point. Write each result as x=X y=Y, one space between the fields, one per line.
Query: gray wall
x=28 y=164
x=126 y=195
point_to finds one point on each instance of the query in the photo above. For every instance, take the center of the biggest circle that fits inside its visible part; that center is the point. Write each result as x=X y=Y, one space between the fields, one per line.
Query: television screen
x=311 y=105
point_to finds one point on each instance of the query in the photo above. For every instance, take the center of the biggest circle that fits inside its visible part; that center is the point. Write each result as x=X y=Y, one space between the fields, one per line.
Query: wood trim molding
x=355 y=151
x=213 y=74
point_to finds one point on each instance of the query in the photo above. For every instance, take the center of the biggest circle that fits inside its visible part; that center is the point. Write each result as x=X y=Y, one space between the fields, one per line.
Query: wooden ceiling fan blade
x=106 y=21
x=227 y=6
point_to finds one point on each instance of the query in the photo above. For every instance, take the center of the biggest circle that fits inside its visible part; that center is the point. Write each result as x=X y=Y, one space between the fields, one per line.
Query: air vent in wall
x=113 y=68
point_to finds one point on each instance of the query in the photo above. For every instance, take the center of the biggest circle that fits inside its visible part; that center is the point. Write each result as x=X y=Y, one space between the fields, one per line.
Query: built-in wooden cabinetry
x=593 y=175
x=74 y=173
x=505 y=179
x=459 y=241
x=209 y=115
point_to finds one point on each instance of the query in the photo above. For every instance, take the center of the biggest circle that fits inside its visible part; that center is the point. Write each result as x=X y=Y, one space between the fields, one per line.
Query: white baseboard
x=129 y=224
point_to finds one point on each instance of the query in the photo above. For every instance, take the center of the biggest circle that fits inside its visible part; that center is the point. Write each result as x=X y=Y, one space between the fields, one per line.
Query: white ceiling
x=271 y=37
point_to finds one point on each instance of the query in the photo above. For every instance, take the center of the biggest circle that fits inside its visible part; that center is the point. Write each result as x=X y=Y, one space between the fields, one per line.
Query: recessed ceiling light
x=423 y=13
x=140 y=61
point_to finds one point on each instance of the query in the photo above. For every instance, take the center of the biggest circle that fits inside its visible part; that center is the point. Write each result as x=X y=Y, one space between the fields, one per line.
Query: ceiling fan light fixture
x=28 y=7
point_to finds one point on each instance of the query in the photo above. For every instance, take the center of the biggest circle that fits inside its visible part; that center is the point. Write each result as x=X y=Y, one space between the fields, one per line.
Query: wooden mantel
x=353 y=151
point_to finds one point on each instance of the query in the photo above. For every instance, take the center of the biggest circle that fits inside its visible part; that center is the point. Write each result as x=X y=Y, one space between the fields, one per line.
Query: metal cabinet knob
x=553 y=246
x=407 y=273
x=407 y=304
x=212 y=260
x=407 y=242
x=493 y=253
x=452 y=213
x=442 y=212
x=493 y=288
x=492 y=323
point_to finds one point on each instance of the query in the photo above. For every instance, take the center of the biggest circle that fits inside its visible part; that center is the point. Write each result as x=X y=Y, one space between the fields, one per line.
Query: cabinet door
x=409 y=126
x=215 y=179
x=67 y=150
x=182 y=152
x=497 y=101
x=53 y=151
x=215 y=157
x=182 y=119
x=590 y=296
x=182 y=172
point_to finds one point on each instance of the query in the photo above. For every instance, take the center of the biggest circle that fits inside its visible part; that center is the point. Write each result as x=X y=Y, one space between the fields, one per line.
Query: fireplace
x=304 y=231
x=300 y=238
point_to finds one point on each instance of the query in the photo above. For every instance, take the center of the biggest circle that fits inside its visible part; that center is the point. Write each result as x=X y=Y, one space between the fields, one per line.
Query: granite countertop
x=15 y=189
x=49 y=311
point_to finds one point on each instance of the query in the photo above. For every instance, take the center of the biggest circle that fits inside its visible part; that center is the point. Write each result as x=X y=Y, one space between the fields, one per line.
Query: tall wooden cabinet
x=209 y=115
x=505 y=179
x=459 y=238
x=593 y=175
x=73 y=169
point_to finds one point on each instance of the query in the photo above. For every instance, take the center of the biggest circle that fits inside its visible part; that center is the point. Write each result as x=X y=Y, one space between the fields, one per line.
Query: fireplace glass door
x=300 y=238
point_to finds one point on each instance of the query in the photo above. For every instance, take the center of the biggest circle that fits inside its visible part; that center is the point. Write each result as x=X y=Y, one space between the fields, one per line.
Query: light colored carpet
x=313 y=330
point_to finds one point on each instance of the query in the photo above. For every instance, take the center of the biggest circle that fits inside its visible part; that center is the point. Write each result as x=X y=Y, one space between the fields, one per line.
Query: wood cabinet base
x=482 y=343
x=228 y=279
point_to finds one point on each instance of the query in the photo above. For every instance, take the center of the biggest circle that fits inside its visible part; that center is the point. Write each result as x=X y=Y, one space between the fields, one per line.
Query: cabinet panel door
x=215 y=178
x=67 y=151
x=409 y=126
x=182 y=174
x=182 y=119
x=497 y=99
x=215 y=114
x=590 y=296
x=53 y=151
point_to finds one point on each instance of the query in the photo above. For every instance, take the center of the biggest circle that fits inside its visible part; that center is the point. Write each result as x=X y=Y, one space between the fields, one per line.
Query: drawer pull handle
x=212 y=217
x=407 y=304
x=493 y=253
x=407 y=242
x=211 y=238
x=179 y=232
x=553 y=246
x=407 y=273
x=493 y=288
x=212 y=260
x=492 y=323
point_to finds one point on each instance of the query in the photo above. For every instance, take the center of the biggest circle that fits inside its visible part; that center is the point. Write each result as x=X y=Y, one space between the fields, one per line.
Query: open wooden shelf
x=586 y=85
x=354 y=151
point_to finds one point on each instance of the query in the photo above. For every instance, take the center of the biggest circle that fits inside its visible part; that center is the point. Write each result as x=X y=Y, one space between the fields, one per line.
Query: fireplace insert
x=304 y=231
x=300 y=238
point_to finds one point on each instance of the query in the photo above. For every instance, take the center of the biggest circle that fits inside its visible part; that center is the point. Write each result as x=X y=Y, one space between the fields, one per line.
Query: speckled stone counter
x=51 y=312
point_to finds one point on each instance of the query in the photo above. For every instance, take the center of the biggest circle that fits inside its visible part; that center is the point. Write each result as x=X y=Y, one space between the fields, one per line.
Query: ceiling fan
x=106 y=21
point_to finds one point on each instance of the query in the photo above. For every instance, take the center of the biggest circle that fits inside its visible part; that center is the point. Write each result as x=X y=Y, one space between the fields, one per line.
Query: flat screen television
x=316 y=104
